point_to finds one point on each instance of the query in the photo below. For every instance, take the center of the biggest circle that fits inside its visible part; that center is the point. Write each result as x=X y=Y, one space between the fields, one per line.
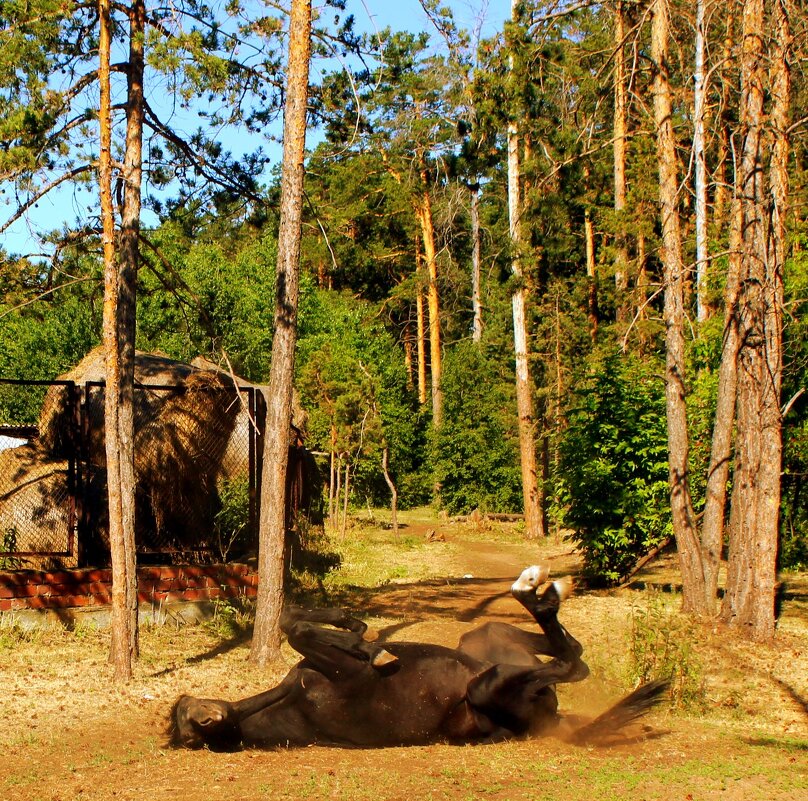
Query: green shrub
x=661 y=648
x=231 y=522
x=612 y=481
x=232 y=618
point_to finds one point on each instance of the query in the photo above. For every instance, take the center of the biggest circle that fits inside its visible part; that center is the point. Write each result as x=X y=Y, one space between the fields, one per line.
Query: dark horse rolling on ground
x=349 y=691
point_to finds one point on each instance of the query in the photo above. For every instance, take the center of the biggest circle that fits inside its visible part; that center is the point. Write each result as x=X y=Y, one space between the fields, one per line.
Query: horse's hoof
x=383 y=658
x=554 y=594
x=370 y=635
x=531 y=579
x=564 y=587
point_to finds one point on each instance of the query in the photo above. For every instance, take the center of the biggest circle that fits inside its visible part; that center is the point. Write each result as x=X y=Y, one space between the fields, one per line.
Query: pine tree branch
x=212 y=172
x=42 y=192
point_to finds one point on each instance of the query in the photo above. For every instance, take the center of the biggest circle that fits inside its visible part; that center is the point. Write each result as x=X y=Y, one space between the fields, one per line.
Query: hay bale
x=188 y=442
x=151 y=369
x=178 y=460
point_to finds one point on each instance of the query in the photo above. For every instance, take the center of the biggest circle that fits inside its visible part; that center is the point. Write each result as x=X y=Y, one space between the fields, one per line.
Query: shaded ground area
x=67 y=734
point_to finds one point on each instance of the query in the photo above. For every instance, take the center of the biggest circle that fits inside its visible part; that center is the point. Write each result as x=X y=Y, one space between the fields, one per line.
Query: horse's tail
x=625 y=711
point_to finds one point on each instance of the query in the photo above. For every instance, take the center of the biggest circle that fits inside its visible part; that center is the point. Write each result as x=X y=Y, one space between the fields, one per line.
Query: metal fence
x=198 y=461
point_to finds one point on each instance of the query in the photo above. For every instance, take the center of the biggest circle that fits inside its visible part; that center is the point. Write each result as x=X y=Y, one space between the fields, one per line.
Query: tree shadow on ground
x=458 y=600
x=240 y=636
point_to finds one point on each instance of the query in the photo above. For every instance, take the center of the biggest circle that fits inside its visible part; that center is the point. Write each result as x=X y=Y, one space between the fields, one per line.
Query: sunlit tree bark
x=684 y=518
x=272 y=527
x=700 y=168
x=120 y=279
x=534 y=517
x=423 y=213
x=476 y=303
x=753 y=528
x=619 y=157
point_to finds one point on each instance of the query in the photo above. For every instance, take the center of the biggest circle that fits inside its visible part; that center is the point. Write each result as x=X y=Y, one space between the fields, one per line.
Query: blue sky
x=58 y=208
x=408 y=14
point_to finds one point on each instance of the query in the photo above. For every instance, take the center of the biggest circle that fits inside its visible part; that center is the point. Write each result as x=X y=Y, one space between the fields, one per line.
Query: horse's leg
x=563 y=647
x=502 y=643
x=333 y=616
x=333 y=653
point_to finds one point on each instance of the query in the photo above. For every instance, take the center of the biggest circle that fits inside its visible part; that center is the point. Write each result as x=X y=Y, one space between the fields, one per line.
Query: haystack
x=151 y=369
x=178 y=462
x=191 y=433
x=192 y=436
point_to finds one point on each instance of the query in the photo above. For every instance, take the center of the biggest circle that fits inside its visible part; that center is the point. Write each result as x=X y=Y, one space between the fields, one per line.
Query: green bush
x=661 y=648
x=612 y=481
x=793 y=552
x=353 y=384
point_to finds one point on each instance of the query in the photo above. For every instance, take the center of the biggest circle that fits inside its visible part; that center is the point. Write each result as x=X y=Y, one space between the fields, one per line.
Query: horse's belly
x=408 y=707
x=416 y=704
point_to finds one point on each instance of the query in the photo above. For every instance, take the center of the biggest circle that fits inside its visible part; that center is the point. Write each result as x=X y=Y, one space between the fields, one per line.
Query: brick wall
x=72 y=589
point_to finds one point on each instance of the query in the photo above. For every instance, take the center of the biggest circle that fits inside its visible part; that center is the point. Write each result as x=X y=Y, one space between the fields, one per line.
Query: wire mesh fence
x=197 y=449
x=38 y=489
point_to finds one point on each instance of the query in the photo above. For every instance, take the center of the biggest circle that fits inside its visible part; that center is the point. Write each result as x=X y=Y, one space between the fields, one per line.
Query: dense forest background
x=410 y=266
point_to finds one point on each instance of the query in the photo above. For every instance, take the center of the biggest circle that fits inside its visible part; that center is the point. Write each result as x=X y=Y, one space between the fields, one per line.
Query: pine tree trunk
x=129 y=262
x=724 y=153
x=619 y=160
x=592 y=277
x=408 y=355
x=421 y=325
x=700 y=172
x=684 y=522
x=751 y=572
x=423 y=213
x=591 y=270
x=531 y=491
x=272 y=527
x=121 y=655
x=392 y=487
x=715 y=497
x=337 y=493
x=534 y=518
x=332 y=483
x=118 y=337
x=346 y=495
x=476 y=304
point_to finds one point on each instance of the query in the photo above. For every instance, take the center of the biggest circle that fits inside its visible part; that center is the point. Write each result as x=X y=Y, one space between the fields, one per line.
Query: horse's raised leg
x=334 y=653
x=563 y=647
x=332 y=616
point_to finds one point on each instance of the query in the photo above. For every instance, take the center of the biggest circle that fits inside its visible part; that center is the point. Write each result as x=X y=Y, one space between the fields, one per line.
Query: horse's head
x=200 y=722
